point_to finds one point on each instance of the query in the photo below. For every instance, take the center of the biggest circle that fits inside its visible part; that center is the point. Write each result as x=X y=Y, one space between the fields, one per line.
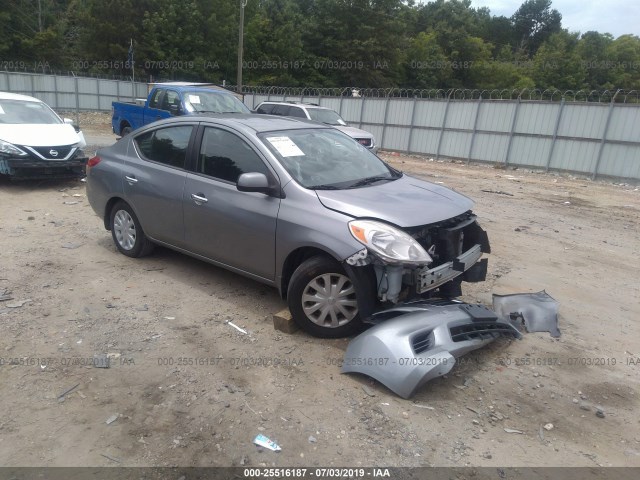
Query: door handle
x=131 y=180
x=199 y=198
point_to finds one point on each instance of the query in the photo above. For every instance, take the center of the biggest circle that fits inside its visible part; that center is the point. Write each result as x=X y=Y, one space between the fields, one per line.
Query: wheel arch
x=123 y=124
x=294 y=260
x=107 y=210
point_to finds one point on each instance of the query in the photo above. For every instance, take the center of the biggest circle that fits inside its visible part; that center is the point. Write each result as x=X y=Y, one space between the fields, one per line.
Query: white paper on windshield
x=285 y=146
x=194 y=99
x=1 y=110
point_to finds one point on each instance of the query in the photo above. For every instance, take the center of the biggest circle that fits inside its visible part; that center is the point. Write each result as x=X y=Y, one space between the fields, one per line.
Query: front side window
x=171 y=98
x=155 y=100
x=165 y=145
x=225 y=156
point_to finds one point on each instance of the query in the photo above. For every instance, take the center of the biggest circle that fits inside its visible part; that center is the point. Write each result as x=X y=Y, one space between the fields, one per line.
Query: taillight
x=93 y=161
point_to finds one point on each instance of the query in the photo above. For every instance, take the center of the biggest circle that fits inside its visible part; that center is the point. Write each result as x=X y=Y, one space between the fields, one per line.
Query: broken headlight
x=10 y=149
x=389 y=243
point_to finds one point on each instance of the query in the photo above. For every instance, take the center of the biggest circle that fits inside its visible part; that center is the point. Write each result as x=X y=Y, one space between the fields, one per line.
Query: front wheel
x=127 y=233
x=322 y=299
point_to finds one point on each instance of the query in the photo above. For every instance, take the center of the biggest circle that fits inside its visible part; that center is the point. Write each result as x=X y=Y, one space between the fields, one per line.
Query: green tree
x=534 y=22
x=426 y=64
x=593 y=49
x=557 y=64
x=623 y=62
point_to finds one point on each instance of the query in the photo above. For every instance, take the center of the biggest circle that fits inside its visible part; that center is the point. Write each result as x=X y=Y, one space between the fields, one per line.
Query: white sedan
x=35 y=142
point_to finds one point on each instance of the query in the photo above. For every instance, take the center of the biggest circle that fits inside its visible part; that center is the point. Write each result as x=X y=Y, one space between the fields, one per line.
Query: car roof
x=243 y=121
x=16 y=96
x=194 y=87
x=295 y=104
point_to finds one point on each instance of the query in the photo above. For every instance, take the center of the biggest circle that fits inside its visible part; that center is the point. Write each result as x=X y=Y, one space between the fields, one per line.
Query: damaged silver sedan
x=293 y=204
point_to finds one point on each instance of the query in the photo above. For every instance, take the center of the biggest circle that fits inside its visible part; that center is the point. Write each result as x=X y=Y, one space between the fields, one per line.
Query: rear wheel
x=125 y=131
x=322 y=299
x=127 y=233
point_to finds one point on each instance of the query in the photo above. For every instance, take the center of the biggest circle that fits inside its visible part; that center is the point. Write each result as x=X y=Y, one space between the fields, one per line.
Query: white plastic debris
x=241 y=330
x=513 y=430
x=263 y=441
x=111 y=419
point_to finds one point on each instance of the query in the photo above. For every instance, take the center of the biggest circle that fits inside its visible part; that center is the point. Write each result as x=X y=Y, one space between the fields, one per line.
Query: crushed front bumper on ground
x=420 y=341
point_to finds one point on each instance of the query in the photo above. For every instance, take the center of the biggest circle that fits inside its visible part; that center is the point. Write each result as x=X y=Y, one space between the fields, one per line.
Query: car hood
x=41 y=135
x=406 y=202
x=353 y=131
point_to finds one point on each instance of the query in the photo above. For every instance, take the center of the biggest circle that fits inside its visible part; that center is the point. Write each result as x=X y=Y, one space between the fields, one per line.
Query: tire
x=318 y=311
x=125 y=131
x=127 y=233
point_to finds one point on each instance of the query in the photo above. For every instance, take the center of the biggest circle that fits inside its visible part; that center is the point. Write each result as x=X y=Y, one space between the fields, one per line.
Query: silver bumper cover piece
x=420 y=341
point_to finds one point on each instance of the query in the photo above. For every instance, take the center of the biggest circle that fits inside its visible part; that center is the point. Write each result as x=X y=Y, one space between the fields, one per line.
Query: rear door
x=154 y=178
x=237 y=229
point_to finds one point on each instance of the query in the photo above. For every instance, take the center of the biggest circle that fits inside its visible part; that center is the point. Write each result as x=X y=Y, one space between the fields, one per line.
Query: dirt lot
x=187 y=389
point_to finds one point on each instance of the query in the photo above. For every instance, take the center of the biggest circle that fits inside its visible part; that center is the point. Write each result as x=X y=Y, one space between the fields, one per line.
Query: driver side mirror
x=68 y=121
x=175 y=109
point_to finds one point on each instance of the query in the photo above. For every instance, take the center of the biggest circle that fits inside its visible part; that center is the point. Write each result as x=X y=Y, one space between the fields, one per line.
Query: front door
x=221 y=223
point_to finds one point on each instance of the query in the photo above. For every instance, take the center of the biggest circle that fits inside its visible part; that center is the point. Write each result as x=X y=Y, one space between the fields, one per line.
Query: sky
x=617 y=17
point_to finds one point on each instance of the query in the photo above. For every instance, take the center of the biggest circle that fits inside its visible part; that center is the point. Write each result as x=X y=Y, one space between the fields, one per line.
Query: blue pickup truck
x=171 y=99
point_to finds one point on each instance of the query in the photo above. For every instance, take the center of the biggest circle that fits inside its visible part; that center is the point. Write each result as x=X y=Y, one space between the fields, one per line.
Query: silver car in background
x=312 y=111
x=292 y=204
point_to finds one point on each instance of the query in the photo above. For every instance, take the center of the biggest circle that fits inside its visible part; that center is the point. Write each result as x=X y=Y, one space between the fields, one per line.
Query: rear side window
x=280 y=110
x=265 y=108
x=165 y=145
x=297 y=112
x=226 y=156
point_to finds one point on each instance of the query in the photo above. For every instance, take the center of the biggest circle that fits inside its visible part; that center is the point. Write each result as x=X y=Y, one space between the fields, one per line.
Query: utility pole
x=243 y=3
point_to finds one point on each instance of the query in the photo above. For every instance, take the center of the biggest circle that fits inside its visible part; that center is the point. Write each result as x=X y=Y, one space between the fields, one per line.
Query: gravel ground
x=185 y=388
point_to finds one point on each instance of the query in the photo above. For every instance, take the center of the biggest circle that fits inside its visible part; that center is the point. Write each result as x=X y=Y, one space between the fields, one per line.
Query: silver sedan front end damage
x=422 y=342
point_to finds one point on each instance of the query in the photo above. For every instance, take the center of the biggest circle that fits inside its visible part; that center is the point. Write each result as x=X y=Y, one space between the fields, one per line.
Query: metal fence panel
x=620 y=161
x=577 y=136
x=530 y=151
x=490 y=147
x=495 y=116
x=399 y=112
x=351 y=110
x=574 y=155
x=429 y=113
x=461 y=115
x=455 y=144
x=424 y=141
x=583 y=120
x=398 y=138
x=537 y=118
x=625 y=120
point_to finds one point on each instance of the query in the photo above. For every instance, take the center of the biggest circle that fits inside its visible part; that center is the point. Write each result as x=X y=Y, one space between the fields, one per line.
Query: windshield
x=213 y=102
x=20 y=111
x=327 y=159
x=325 y=116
